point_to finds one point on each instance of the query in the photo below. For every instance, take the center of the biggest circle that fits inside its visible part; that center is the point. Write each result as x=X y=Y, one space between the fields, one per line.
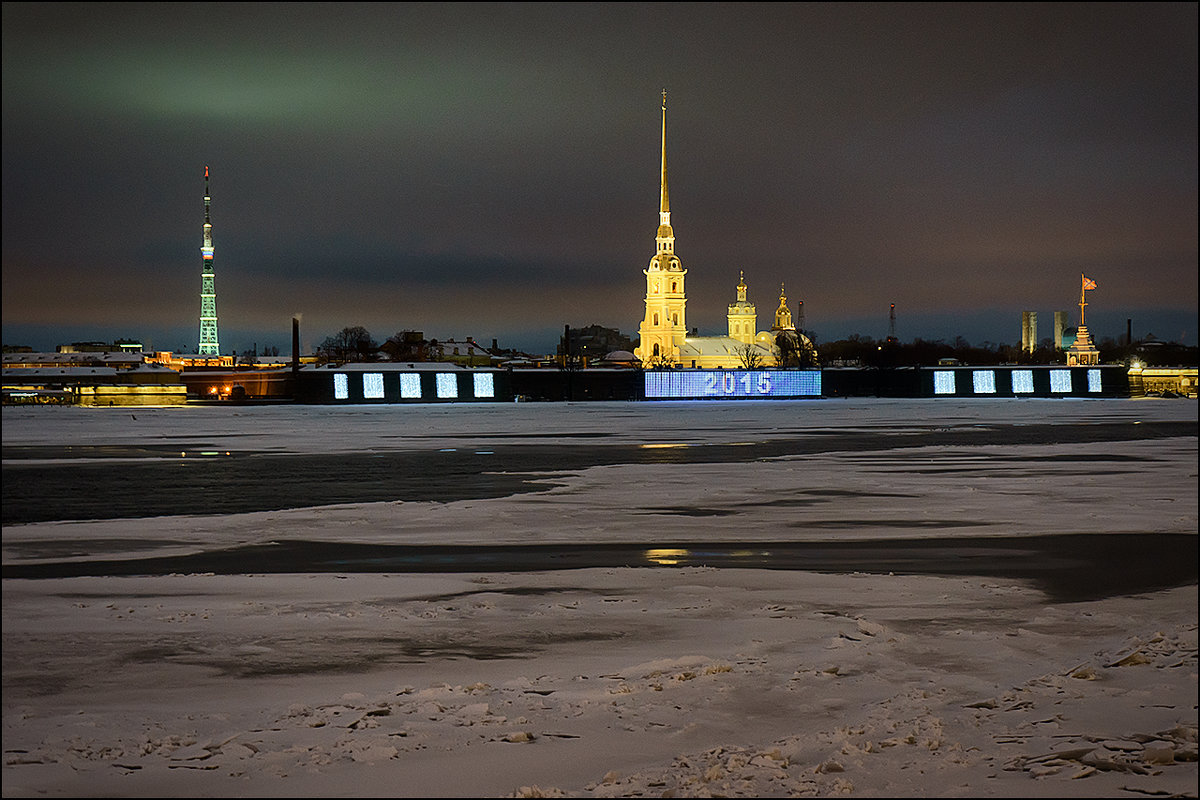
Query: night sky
x=492 y=170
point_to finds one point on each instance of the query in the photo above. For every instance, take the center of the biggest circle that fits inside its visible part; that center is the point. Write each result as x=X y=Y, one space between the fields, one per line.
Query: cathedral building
x=665 y=341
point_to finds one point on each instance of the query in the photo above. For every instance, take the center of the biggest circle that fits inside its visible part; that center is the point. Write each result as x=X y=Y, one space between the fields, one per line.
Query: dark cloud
x=491 y=169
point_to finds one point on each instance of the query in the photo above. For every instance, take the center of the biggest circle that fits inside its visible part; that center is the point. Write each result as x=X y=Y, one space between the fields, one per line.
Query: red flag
x=1088 y=283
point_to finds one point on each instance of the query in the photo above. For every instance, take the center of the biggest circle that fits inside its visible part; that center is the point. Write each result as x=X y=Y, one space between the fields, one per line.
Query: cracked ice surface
x=617 y=681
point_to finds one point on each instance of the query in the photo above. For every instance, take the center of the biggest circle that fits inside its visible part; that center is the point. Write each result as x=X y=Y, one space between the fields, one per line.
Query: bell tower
x=664 y=327
x=742 y=316
x=783 y=314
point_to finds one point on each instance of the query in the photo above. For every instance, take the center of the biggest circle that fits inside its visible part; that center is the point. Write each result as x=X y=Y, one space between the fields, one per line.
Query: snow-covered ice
x=621 y=681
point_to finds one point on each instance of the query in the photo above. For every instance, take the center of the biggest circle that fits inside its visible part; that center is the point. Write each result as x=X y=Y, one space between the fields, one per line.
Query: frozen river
x=70 y=463
x=835 y=486
x=884 y=598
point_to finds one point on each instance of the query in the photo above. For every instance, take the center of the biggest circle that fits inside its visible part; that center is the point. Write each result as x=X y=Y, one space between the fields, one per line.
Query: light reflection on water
x=665 y=555
x=673 y=556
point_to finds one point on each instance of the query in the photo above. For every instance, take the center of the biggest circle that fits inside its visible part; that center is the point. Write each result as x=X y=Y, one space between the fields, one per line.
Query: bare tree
x=406 y=346
x=348 y=344
x=750 y=356
x=659 y=361
x=794 y=351
x=809 y=357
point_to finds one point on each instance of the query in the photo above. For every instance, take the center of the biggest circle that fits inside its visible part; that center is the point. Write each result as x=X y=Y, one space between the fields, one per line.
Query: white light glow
x=373 y=385
x=447 y=385
x=410 y=386
x=483 y=385
x=983 y=381
x=943 y=382
x=1060 y=380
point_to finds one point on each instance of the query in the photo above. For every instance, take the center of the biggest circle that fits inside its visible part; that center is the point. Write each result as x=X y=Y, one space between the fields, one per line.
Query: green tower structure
x=208 y=285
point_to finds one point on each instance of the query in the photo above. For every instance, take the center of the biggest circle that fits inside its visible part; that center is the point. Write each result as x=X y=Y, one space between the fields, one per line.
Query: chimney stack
x=295 y=344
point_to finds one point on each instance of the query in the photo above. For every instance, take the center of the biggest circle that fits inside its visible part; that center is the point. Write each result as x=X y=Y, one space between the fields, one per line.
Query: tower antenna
x=208 y=291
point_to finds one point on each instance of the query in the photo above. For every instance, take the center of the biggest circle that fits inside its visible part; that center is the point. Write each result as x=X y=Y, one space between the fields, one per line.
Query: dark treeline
x=864 y=351
x=355 y=343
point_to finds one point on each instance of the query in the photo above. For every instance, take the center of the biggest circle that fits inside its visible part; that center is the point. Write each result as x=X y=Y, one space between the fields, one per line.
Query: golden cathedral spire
x=665 y=237
x=664 y=209
x=663 y=330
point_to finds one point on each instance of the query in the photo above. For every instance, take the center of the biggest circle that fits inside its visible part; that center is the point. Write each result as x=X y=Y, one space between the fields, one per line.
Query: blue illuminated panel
x=1094 y=380
x=410 y=386
x=341 y=386
x=483 y=385
x=943 y=381
x=447 y=385
x=1060 y=381
x=733 y=384
x=983 y=381
x=373 y=385
x=1022 y=381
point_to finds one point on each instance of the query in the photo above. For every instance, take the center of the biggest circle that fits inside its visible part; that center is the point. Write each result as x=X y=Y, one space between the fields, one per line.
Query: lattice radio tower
x=208 y=286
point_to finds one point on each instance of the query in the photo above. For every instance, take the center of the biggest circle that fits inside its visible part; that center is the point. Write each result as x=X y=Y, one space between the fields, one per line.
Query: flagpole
x=1082 y=296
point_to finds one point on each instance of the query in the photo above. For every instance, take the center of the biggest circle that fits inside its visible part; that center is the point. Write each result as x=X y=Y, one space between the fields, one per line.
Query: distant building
x=464 y=353
x=1162 y=380
x=95 y=378
x=1060 y=326
x=111 y=359
x=1029 y=340
x=119 y=346
x=182 y=361
x=592 y=344
x=619 y=358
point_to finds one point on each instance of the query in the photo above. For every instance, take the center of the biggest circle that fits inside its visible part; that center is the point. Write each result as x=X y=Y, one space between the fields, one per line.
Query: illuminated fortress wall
x=960 y=382
x=720 y=384
x=1025 y=382
x=382 y=384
